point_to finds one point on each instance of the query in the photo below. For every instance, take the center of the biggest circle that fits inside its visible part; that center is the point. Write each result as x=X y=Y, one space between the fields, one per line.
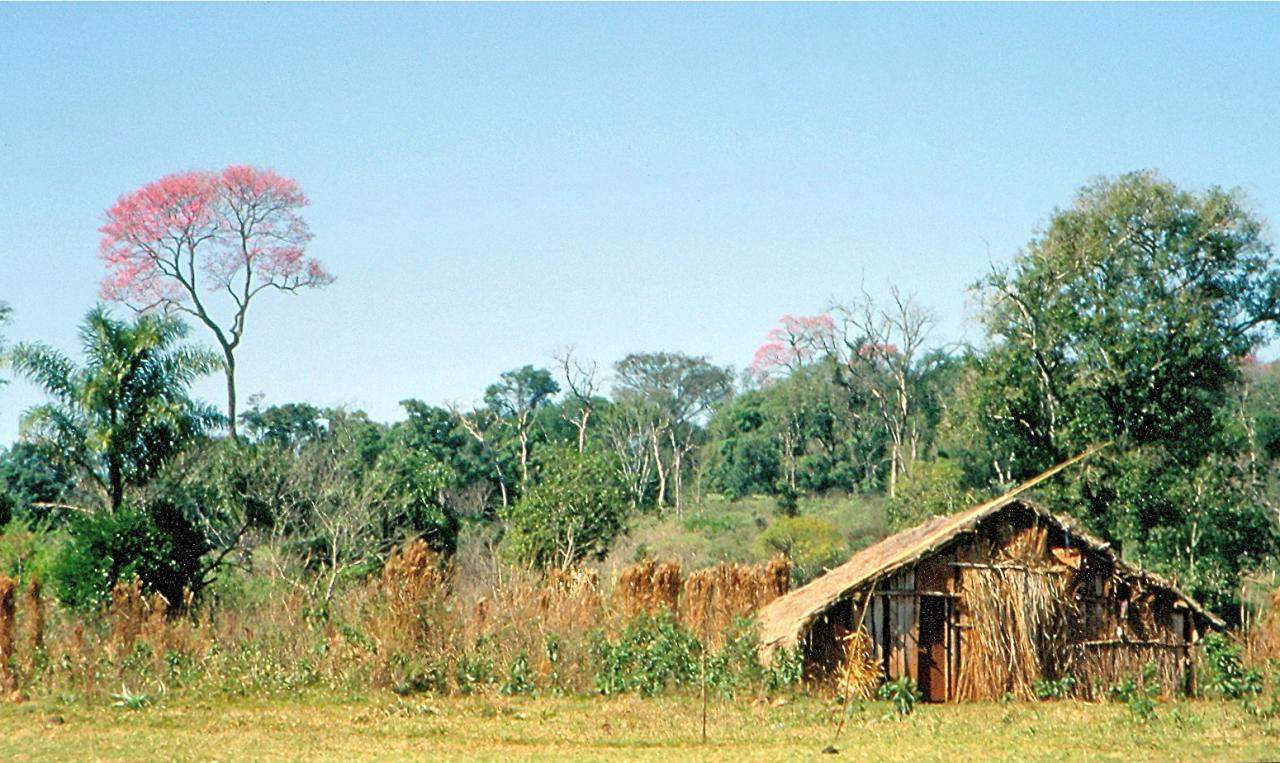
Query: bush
x=1227 y=674
x=27 y=554
x=576 y=510
x=1140 y=695
x=156 y=545
x=811 y=543
x=784 y=671
x=1054 y=689
x=652 y=654
x=930 y=488
x=519 y=677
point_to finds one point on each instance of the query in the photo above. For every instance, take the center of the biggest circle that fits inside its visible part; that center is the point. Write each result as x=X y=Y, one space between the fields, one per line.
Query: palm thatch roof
x=785 y=620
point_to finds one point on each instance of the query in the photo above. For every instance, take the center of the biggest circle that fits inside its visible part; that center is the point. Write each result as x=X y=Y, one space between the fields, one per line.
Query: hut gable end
x=990 y=600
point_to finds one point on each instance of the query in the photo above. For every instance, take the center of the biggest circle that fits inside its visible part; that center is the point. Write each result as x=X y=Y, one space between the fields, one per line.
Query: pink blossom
x=792 y=344
x=195 y=233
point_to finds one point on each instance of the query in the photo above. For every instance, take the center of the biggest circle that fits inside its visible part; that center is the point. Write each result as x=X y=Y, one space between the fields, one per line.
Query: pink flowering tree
x=796 y=340
x=206 y=244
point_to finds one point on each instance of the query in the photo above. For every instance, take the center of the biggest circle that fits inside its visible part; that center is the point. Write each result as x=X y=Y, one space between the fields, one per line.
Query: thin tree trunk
x=662 y=472
x=231 y=391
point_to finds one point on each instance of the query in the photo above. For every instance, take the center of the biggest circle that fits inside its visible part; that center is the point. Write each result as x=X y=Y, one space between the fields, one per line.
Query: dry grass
x=860 y=673
x=647 y=587
x=383 y=727
x=8 y=626
x=712 y=598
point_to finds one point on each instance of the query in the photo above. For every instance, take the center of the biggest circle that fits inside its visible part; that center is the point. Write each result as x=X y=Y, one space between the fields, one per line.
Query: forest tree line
x=1132 y=320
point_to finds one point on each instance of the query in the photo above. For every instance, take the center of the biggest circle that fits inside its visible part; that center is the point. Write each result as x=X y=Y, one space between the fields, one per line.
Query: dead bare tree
x=580 y=379
x=881 y=350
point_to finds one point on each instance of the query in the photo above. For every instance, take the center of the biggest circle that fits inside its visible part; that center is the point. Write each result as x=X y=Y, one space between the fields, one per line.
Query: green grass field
x=326 y=727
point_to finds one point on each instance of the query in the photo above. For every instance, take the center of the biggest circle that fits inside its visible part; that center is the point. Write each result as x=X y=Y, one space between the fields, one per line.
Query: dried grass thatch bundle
x=412 y=586
x=713 y=597
x=648 y=587
x=127 y=611
x=860 y=672
x=1020 y=633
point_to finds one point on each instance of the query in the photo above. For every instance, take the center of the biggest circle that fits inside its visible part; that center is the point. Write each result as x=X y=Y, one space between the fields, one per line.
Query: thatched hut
x=989 y=601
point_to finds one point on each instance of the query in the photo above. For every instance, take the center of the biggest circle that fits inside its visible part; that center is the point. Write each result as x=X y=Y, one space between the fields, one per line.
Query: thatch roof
x=784 y=621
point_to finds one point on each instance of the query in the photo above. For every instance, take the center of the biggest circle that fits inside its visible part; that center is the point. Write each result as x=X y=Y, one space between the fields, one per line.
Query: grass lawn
x=329 y=727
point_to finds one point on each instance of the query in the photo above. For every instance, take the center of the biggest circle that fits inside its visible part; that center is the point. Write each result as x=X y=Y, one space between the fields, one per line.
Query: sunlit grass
x=383 y=726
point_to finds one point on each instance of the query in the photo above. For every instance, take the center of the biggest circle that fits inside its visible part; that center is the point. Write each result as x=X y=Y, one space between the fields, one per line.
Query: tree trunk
x=231 y=391
x=662 y=472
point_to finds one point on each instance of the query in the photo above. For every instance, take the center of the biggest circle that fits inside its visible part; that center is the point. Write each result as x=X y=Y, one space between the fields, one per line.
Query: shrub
x=1049 y=688
x=519 y=677
x=27 y=554
x=652 y=654
x=156 y=545
x=784 y=671
x=931 y=487
x=576 y=510
x=1227 y=674
x=811 y=543
x=1140 y=695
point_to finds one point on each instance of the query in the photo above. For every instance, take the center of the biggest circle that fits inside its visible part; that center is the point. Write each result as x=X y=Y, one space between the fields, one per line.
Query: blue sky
x=492 y=182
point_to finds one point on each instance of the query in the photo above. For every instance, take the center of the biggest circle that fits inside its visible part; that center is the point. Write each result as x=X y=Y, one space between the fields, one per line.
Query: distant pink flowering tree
x=795 y=341
x=206 y=244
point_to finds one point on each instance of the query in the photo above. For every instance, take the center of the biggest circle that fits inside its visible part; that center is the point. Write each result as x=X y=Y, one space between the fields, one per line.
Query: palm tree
x=127 y=411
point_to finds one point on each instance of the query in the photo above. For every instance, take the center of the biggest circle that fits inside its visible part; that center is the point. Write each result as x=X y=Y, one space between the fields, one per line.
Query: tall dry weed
x=716 y=596
x=647 y=587
x=8 y=678
x=126 y=612
x=33 y=633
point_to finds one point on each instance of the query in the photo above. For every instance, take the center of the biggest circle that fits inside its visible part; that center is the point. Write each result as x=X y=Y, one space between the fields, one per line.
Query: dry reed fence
x=1027 y=622
x=1021 y=610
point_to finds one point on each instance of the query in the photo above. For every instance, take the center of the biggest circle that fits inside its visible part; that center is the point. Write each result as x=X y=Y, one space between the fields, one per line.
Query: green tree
x=574 y=510
x=291 y=425
x=118 y=419
x=1126 y=320
x=675 y=394
x=516 y=398
x=30 y=484
x=159 y=546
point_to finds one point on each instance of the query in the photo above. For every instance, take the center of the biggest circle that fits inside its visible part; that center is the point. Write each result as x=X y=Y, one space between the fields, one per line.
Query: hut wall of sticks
x=987 y=602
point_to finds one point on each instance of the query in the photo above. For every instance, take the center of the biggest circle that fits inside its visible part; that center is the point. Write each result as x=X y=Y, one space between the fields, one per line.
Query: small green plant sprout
x=902 y=696
x=1141 y=696
x=127 y=700
x=1050 y=688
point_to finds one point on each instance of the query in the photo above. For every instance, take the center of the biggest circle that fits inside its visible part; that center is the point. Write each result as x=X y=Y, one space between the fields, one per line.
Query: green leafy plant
x=1059 y=688
x=1141 y=695
x=651 y=654
x=474 y=673
x=1227 y=674
x=519 y=677
x=784 y=671
x=127 y=700
x=902 y=694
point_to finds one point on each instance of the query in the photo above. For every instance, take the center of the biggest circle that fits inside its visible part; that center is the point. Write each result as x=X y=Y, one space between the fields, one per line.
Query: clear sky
x=492 y=182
